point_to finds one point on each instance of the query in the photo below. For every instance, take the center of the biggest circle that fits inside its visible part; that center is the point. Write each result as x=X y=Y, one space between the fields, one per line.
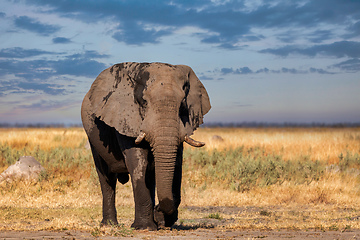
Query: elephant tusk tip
x=141 y=137
x=193 y=142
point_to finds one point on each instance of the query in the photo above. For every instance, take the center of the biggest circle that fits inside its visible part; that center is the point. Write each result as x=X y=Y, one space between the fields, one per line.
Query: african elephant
x=137 y=116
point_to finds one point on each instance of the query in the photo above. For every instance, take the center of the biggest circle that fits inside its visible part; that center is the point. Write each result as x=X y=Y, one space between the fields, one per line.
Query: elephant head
x=159 y=103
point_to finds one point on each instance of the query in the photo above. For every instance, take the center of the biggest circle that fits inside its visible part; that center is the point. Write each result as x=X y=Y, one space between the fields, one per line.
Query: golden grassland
x=323 y=144
x=319 y=143
x=46 y=139
x=68 y=195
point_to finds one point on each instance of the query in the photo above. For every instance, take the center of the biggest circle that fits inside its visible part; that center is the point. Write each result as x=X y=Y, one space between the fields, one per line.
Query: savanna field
x=244 y=178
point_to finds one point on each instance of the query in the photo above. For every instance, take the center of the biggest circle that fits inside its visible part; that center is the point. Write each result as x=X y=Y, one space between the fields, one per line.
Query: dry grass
x=323 y=144
x=44 y=139
x=69 y=196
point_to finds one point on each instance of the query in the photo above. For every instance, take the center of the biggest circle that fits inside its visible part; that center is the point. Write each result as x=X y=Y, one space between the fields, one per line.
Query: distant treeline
x=280 y=125
x=209 y=125
x=38 y=125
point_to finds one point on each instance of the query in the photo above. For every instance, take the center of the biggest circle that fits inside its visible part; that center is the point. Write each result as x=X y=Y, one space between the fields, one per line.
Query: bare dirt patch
x=191 y=234
x=221 y=222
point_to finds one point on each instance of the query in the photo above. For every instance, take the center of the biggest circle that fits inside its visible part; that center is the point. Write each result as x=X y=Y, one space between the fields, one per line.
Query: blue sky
x=265 y=61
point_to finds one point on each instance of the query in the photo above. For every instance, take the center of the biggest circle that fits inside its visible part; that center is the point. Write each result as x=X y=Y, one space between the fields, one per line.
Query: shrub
x=349 y=161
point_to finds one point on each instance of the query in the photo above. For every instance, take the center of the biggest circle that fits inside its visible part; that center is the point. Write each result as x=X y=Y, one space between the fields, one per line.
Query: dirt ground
x=189 y=234
x=256 y=223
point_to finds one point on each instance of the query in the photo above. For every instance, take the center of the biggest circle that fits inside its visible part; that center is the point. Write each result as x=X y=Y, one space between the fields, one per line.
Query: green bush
x=9 y=156
x=349 y=162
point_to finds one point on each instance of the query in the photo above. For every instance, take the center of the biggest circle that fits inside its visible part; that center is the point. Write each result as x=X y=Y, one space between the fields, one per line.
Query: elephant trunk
x=164 y=177
x=165 y=140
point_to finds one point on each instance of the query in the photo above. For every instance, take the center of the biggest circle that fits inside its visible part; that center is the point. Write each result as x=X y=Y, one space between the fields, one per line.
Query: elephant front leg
x=143 y=182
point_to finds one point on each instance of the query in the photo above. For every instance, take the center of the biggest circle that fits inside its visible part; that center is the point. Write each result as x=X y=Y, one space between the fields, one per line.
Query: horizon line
x=244 y=124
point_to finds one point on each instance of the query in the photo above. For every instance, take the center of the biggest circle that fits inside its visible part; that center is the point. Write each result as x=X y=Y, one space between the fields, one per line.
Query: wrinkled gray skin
x=166 y=103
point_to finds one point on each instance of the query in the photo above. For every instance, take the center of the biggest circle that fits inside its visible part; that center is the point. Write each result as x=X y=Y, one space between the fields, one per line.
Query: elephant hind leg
x=108 y=186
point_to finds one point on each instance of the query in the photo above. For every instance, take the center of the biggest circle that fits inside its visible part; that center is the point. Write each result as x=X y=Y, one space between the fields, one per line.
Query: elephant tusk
x=140 y=138
x=193 y=142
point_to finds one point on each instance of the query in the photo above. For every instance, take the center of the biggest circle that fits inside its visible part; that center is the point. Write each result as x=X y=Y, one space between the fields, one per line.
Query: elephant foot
x=164 y=220
x=151 y=225
x=123 y=177
x=109 y=222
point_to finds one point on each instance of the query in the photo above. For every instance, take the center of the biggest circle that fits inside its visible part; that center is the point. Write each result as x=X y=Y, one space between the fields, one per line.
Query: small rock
x=26 y=168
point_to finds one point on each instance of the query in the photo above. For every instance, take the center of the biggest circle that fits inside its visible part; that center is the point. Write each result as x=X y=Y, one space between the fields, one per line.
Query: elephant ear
x=197 y=101
x=112 y=97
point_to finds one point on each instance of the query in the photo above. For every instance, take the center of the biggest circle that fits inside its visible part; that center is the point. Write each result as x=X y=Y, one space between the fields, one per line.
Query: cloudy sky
x=265 y=61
